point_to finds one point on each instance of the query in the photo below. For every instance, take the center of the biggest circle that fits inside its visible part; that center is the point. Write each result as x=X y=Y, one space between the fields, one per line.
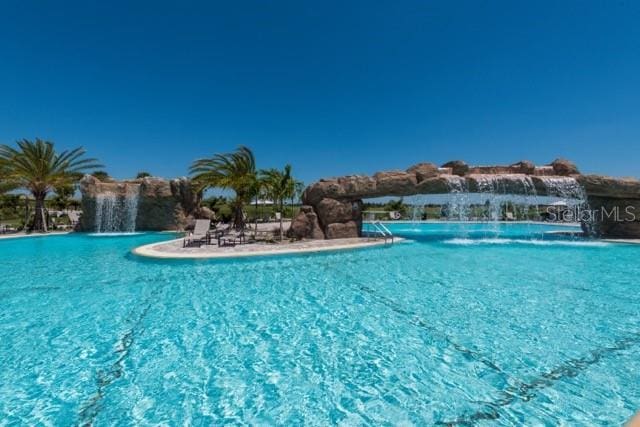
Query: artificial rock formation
x=336 y=203
x=305 y=225
x=614 y=206
x=162 y=204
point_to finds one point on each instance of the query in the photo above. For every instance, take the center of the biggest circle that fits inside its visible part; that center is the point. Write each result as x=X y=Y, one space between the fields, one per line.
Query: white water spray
x=117 y=213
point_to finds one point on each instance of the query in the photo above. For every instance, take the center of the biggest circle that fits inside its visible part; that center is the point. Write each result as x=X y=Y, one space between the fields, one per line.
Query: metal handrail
x=381 y=230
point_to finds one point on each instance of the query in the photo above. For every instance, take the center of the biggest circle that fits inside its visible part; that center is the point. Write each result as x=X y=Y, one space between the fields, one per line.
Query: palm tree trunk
x=40 y=218
x=281 y=215
x=238 y=218
x=26 y=212
x=255 y=230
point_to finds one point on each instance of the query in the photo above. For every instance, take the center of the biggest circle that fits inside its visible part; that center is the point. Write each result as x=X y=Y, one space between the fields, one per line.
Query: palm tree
x=63 y=196
x=38 y=168
x=280 y=186
x=231 y=171
x=259 y=190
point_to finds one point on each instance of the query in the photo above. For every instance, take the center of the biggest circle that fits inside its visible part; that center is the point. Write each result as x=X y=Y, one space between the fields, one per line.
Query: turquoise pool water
x=461 y=326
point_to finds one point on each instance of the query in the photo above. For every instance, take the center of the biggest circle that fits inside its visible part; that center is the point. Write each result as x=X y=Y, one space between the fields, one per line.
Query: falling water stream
x=117 y=213
x=484 y=199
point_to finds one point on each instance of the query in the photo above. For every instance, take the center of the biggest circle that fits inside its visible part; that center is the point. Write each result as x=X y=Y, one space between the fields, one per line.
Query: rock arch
x=332 y=208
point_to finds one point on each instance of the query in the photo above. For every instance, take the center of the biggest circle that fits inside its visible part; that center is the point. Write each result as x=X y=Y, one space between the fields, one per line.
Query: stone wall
x=614 y=204
x=163 y=204
x=333 y=207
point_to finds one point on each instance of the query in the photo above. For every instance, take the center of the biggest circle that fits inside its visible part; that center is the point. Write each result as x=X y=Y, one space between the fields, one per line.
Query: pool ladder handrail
x=382 y=231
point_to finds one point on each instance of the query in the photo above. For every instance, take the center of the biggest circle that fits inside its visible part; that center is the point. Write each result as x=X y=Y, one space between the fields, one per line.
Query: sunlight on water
x=498 y=241
x=454 y=327
x=114 y=234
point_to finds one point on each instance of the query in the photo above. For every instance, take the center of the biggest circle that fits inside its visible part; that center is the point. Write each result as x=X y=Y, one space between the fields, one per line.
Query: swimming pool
x=460 y=325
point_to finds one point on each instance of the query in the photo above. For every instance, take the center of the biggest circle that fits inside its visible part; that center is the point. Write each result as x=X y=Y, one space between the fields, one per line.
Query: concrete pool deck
x=623 y=241
x=173 y=249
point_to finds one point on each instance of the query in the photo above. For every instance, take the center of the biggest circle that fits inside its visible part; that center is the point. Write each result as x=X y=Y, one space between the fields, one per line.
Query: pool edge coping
x=148 y=250
x=34 y=234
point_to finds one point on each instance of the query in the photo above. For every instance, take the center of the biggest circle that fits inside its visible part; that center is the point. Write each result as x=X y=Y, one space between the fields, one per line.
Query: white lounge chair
x=199 y=233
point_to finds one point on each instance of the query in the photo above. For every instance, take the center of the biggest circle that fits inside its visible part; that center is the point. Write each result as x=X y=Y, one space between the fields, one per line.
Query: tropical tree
x=259 y=190
x=38 y=168
x=280 y=186
x=230 y=171
x=64 y=193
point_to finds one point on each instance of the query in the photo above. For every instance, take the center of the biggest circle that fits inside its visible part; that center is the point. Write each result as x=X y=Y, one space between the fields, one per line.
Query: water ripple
x=526 y=392
x=104 y=379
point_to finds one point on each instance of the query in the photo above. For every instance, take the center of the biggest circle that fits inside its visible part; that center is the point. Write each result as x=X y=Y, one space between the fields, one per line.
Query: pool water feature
x=117 y=213
x=426 y=331
x=486 y=198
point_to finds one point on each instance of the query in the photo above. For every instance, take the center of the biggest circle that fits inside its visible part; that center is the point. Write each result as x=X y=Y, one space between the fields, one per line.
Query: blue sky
x=331 y=87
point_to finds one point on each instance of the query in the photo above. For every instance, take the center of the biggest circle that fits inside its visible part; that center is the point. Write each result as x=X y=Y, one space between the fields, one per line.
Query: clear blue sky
x=331 y=87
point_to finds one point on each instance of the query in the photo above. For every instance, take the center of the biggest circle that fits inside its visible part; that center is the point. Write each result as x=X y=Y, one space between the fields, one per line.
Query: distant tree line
x=49 y=179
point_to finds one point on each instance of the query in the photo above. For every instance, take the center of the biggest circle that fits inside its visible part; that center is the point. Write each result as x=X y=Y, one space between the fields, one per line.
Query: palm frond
x=36 y=166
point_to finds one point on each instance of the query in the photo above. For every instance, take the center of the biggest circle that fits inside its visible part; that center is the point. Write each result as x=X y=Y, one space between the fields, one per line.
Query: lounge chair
x=199 y=234
x=239 y=239
x=6 y=228
x=218 y=231
x=74 y=218
x=509 y=216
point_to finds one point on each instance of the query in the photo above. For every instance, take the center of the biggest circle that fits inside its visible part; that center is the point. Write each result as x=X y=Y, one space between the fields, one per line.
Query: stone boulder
x=440 y=185
x=613 y=217
x=489 y=170
x=606 y=186
x=423 y=171
x=524 y=166
x=358 y=186
x=614 y=206
x=156 y=207
x=332 y=210
x=321 y=189
x=562 y=167
x=186 y=194
x=395 y=183
x=343 y=230
x=458 y=167
x=305 y=225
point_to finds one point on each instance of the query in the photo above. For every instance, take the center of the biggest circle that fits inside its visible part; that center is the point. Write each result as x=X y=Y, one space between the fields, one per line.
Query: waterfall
x=117 y=213
x=105 y=209
x=459 y=202
x=483 y=197
x=570 y=190
x=504 y=189
x=131 y=209
x=563 y=187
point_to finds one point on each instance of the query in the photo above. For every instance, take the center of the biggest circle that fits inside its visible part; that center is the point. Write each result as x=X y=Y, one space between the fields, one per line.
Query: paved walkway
x=174 y=249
